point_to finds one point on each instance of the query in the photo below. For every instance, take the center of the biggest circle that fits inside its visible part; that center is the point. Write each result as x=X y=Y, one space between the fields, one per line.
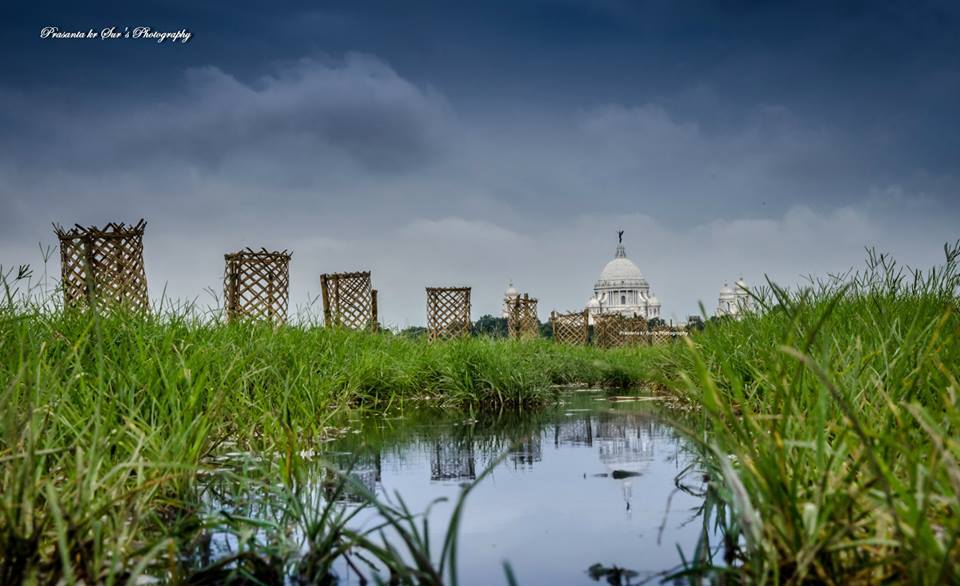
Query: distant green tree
x=719 y=320
x=487 y=325
x=546 y=330
x=414 y=332
x=655 y=323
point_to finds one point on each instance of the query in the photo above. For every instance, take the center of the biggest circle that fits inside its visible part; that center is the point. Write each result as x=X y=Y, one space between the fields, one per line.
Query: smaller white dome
x=742 y=286
x=726 y=292
x=652 y=300
x=593 y=303
x=511 y=291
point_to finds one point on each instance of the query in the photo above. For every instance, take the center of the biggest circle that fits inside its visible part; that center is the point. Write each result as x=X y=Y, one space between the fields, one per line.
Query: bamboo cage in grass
x=612 y=330
x=571 y=328
x=522 y=321
x=349 y=300
x=256 y=285
x=103 y=266
x=635 y=331
x=448 y=312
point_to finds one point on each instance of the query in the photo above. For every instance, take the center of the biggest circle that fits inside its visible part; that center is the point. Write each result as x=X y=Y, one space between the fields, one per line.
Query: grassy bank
x=831 y=423
x=828 y=423
x=107 y=419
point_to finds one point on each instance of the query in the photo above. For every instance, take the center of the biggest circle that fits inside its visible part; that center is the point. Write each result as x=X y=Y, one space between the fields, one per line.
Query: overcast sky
x=477 y=143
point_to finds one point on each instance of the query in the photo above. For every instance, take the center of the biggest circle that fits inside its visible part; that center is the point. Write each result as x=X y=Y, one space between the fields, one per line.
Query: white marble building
x=509 y=298
x=735 y=300
x=622 y=289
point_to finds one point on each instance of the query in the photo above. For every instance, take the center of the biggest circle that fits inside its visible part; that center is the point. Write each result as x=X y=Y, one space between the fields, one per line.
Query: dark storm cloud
x=359 y=108
x=476 y=142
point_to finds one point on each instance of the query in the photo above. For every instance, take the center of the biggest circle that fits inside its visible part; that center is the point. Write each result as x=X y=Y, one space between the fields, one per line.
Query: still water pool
x=593 y=480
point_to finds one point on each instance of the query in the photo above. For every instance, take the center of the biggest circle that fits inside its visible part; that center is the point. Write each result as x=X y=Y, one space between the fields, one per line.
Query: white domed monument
x=622 y=289
x=510 y=296
x=727 y=301
x=734 y=301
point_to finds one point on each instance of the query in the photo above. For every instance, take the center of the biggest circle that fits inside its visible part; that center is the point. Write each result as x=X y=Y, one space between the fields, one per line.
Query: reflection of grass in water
x=499 y=429
x=306 y=533
x=397 y=542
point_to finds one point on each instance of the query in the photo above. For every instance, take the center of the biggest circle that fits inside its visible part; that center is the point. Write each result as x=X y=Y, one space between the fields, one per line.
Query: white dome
x=741 y=287
x=621 y=289
x=511 y=292
x=621 y=269
x=652 y=300
x=726 y=292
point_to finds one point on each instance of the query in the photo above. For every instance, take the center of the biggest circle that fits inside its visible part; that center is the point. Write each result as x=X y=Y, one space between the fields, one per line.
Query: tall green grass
x=830 y=422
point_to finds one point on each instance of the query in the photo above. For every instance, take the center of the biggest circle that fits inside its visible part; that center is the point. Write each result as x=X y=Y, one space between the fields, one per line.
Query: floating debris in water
x=616 y=474
x=626 y=399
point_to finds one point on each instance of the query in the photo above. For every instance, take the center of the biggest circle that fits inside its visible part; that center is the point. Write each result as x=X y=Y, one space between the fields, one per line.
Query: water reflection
x=527 y=452
x=363 y=468
x=578 y=432
x=589 y=482
x=625 y=443
x=453 y=460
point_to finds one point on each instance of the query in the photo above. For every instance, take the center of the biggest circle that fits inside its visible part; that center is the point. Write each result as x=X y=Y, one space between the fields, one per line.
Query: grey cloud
x=353 y=166
x=641 y=157
x=355 y=111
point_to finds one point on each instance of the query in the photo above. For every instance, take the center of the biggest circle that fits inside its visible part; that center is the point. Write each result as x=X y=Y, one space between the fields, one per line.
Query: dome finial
x=621 y=251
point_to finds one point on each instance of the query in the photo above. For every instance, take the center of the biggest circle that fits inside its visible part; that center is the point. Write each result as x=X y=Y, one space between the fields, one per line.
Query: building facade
x=734 y=301
x=622 y=289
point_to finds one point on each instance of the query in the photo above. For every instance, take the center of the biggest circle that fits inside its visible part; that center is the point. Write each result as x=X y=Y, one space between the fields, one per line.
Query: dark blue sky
x=724 y=137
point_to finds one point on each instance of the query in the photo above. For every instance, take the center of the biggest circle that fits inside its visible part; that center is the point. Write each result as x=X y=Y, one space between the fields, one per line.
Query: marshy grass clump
x=830 y=422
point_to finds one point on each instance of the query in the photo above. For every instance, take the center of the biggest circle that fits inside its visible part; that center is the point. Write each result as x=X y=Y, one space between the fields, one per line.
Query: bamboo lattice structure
x=256 y=285
x=571 y=328
x=612 y=330
x=522 y=321
x=103 y=266
x=448 y=312
x=349 y=300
